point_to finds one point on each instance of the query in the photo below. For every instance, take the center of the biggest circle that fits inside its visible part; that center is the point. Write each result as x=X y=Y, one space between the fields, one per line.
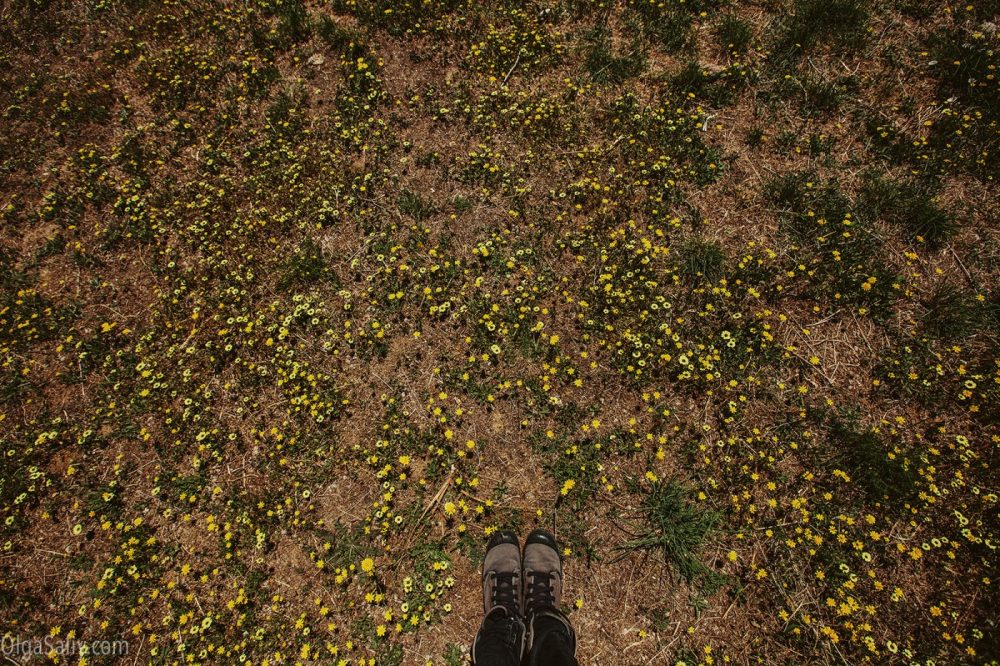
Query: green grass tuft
x=604 y=66
x=675 y=528
x=912 y=205
x=883 y=477
x=305 y=266
x=841 y=24
x=952 y=313
x=702 y=259
x=415 y=206
x=734 y=34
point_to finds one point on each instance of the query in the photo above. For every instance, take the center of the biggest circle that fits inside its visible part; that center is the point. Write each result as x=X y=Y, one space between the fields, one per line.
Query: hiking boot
x=502 y=573
x=502 y=631
x=543 y=588
x=543 y=575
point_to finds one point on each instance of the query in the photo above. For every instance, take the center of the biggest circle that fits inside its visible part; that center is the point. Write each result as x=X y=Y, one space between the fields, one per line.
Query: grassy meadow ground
x=301 y=300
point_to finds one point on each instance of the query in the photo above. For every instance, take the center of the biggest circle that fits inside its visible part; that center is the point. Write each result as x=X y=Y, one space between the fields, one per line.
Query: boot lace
x=540 y=592
x=505 y=590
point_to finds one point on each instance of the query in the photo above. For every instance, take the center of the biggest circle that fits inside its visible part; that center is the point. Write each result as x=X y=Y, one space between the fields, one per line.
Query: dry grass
x=301 y=301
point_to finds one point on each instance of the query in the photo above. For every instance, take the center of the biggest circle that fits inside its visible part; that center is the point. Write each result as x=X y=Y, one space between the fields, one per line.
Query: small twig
x=430 y=507
x=139 y=651
x=653 y=659
x=968 y=276
x=471 y=496
x=511 y=70
x=839 y=653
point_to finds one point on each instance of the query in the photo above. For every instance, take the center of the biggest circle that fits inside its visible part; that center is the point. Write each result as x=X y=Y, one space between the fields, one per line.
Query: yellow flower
x=368 y=565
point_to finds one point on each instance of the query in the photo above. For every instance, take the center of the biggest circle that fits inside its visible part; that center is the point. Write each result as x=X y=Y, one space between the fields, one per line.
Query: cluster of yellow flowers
x=301 y=303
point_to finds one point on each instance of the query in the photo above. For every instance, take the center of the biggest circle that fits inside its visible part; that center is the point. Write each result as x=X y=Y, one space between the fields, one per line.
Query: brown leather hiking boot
x=502 y=573
x=502 y=631
x=543 y=586
x=543 y=574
